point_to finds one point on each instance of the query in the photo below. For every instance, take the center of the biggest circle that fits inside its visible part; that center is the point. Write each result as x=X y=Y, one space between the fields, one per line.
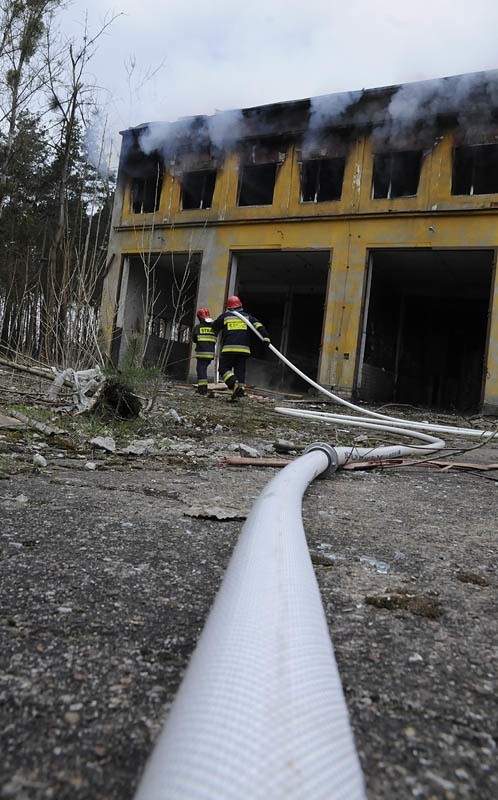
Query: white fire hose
x=260 y=714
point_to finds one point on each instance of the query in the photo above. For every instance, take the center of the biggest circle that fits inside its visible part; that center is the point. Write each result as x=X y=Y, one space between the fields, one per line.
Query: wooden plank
x=244 y=461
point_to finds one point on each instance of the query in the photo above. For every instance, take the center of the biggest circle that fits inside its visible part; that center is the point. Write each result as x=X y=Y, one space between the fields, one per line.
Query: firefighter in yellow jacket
x=205 y=344
x=236 y=345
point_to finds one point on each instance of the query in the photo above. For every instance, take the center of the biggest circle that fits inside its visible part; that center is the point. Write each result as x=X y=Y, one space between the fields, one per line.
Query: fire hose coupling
x=331 y=455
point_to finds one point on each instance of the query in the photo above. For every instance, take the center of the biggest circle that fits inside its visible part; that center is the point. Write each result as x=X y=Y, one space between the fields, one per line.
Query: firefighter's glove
x=266 y=341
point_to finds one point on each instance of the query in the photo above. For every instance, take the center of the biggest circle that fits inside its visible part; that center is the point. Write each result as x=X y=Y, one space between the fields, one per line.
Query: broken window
x=475 y=169
x=396 y=174
x=257 y=183
x=146 y=193
x=198 y=188
x=321 y=179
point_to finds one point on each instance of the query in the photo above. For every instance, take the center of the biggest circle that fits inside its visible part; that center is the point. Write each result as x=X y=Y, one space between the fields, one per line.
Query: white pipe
x=409 y=424
x=260 y=714
x=350 y=453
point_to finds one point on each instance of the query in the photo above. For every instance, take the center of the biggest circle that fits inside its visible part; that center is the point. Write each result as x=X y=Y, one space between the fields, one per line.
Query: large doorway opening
x=157 y=311
x=425 y=328
x=286 y=291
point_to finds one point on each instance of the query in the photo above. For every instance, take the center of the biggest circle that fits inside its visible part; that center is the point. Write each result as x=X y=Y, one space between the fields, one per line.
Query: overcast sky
x=164 y=59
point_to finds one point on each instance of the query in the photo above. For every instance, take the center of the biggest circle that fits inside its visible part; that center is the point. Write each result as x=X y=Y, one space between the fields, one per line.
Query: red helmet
x=204 y=314
x=234 y=302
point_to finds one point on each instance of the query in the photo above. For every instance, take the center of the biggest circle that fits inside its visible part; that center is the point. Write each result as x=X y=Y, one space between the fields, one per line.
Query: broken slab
x=48 y=430
x=215 y=512
x=10 y=423
x=104 y=443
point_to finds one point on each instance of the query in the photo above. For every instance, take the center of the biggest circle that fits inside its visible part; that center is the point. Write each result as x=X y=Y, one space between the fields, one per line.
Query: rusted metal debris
x=444 y=466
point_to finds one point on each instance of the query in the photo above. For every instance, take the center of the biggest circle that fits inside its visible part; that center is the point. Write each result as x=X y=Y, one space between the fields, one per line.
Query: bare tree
x=23 y=23
x=71 y=101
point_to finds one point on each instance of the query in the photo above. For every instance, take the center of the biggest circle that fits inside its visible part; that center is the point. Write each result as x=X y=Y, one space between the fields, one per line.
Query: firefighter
x=236 y=345
x=205 y=343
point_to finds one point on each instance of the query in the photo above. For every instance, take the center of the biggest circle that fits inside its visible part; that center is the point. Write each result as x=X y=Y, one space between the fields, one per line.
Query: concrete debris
x=42 y=427
x=379 y=566
x=104 y=442
x=141 y=447
x=415 y=658
x=215 y=512
x=180 y=447
x=38 y=461
x=10 y=422
x=244 y=448
x=284 y=446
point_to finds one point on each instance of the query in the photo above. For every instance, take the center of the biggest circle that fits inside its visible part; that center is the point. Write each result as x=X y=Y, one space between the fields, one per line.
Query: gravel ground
x=107 y=581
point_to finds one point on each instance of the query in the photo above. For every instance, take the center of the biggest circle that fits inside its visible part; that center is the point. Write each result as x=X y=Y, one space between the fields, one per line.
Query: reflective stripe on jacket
x=205 y=340
x=235 y=333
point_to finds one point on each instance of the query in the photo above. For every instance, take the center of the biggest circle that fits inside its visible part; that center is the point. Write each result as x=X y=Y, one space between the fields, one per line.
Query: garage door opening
x=156 y=311
x=425 y=328
x=286 y=290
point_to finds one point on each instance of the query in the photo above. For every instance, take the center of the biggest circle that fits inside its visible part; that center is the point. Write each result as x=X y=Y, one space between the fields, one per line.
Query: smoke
x=98 y=143
x=213 y=134
x=225 y=127
x=157 y=137
x=327 y=110
x=416 y=110
x=409 y=116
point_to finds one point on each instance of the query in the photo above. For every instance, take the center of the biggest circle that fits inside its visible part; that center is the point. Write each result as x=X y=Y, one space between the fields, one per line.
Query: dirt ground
x=107 y=580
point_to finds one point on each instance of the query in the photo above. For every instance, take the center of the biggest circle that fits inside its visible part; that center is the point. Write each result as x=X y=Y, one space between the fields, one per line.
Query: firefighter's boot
x=237 y=393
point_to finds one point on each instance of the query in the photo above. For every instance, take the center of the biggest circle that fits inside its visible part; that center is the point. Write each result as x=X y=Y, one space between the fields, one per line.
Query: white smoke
x=405 y=116
x=100 y=146
x=469 y=99
x=224 y=128
x=156 y=137
x=328 y=109
x=217 y=132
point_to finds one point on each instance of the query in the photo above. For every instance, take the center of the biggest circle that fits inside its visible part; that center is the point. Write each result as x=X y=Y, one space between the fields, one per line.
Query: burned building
x=361 y=227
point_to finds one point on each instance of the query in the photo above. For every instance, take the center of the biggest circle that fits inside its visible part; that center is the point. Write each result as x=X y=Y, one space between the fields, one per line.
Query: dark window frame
x=257 y=184
x=198 y=189
x=475 y=170
x=322 y=179
x=390 y=179
x=145 y=192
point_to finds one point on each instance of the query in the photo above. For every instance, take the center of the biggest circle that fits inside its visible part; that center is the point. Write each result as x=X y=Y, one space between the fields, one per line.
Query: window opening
x=171 y=330
x=475 y=169
x=198 y=188
x=146 y=193
x=257 y=184
x=321 y=179
x=396 y=174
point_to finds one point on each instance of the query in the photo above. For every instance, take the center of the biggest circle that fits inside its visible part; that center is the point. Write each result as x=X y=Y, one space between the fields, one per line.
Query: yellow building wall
x=349 y=228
